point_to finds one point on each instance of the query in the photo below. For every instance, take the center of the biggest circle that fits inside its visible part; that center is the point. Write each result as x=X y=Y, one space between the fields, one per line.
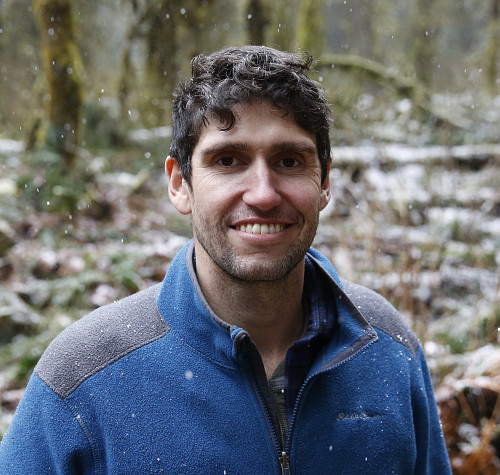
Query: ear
x=325 y=188
x=178 y=189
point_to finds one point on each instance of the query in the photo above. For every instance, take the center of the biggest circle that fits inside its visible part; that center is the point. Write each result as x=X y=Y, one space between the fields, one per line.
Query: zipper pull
x=285 y=463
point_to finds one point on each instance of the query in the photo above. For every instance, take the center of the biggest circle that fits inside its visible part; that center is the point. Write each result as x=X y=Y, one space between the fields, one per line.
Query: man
x=251 y=356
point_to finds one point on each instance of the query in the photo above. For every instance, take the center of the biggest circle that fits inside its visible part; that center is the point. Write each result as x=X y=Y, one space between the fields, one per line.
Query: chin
x=261 y=271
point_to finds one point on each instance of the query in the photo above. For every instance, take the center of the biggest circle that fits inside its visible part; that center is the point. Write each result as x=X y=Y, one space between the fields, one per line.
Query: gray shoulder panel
x=101 y=338
x=381 y=314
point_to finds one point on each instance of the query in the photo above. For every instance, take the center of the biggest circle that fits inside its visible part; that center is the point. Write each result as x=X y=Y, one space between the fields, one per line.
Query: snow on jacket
x=155 y=383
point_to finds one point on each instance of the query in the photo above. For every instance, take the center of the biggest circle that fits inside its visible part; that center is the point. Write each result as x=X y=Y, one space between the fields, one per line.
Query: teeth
x=261 y=228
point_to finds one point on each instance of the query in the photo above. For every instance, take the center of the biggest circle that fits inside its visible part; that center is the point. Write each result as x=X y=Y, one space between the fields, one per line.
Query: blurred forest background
x=85 y=100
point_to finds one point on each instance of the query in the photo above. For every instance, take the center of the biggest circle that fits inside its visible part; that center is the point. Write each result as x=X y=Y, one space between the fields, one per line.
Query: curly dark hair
x=234 y=76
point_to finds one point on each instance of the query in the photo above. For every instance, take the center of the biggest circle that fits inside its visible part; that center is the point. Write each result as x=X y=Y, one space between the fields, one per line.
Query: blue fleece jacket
x=156 y=383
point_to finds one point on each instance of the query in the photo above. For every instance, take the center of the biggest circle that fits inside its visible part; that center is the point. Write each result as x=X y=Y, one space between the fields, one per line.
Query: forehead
x=257 y=125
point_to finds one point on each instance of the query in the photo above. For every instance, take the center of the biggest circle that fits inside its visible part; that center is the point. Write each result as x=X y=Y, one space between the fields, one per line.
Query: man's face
x=255 y=194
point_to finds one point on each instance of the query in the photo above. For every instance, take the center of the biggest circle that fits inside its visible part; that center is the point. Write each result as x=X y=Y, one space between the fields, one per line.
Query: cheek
x=212 y=193
x=306 y=195
x=207 y=208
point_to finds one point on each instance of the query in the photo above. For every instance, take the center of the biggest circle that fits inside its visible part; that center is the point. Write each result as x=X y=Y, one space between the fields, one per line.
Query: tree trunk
x=127 y=73
x=424 y=43
x=491 y=69
x=257 y=21
x=195 y=25
x=63 y=71
x=283 y=24
x=310 y=31
x=162 y=19
x=363 y=15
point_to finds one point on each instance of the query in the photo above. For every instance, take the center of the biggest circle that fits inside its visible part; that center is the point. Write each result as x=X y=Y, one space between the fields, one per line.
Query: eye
x=228 y=161
x=289 y=162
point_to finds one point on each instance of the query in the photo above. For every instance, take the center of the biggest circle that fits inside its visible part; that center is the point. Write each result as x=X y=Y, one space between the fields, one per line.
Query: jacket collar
x=185 y=309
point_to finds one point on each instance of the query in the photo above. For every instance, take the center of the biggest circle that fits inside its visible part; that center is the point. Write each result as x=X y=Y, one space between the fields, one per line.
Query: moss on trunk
x=63 y=72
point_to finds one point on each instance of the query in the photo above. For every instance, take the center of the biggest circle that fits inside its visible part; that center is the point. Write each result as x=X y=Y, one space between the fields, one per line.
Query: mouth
x=255 y=228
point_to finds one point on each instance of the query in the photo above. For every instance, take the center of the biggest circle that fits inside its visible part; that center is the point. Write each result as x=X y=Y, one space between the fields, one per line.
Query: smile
x=260 y=228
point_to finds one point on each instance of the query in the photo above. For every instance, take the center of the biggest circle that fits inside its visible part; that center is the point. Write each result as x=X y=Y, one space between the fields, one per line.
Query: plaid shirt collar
x=322 y=318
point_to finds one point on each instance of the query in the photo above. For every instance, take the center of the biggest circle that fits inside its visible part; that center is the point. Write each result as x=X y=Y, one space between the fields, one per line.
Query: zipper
x=282 y=456
x=255 y=365
x=285 y=463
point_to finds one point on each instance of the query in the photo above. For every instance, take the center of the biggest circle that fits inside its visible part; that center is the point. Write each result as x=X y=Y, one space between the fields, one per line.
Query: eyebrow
x=287 y=146
x=290 y=146
x=225 y=147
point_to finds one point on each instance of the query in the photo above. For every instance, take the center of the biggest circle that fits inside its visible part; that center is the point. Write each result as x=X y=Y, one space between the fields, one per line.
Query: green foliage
x=124 y=270
x=457 y=343
x=70 y=292
x=20 y=356
x=51 y=186
x=463 y=336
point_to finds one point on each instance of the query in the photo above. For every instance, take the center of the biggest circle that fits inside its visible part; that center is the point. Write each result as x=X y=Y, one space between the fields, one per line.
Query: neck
x=270 y=311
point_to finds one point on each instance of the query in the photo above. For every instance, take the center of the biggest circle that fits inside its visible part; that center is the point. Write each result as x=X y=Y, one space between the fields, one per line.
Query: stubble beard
x=244 y=268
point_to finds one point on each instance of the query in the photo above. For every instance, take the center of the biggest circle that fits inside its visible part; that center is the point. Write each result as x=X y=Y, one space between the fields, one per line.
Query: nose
x=261 y=190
